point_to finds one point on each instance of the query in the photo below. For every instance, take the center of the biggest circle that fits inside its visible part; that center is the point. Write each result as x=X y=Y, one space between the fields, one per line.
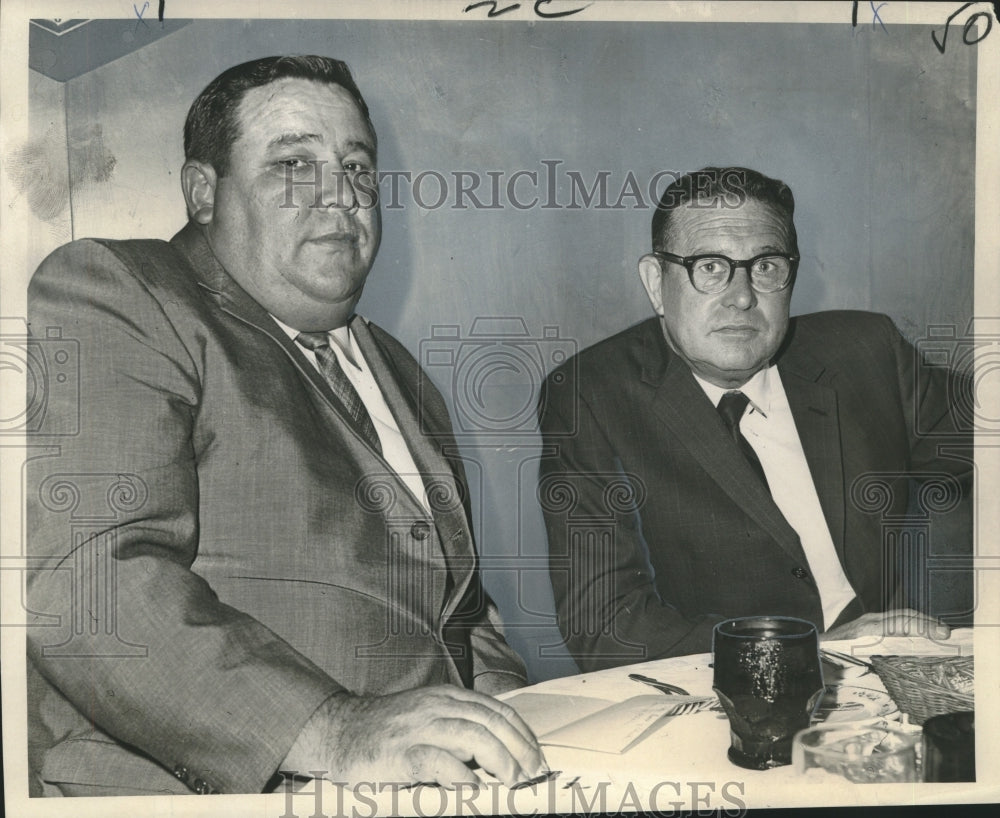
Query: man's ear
x=651 y=274
x=198 y=181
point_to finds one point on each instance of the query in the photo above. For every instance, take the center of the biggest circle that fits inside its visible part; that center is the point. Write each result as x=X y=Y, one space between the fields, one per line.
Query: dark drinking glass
x=769 y=680
x=950 y=747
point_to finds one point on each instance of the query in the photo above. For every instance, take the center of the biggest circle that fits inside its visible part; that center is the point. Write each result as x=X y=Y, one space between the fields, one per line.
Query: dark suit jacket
x=216 y=549
x=657 y=526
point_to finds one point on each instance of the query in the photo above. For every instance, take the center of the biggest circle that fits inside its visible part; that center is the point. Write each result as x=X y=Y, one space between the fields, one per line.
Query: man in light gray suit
x=250 y=552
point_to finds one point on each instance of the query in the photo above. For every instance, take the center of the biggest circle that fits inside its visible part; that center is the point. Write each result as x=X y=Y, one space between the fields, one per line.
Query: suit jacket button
x=200 y=787
x=419 y=530
x=800 y=572
x=181 y=773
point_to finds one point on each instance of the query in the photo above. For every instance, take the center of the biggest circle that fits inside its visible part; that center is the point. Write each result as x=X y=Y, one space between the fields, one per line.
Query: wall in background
x=874 y=132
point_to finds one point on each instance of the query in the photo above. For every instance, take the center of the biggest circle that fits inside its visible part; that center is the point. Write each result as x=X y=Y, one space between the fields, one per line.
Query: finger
x=517 y=737
x=908 y=621
x=473 y=742
x=428 y=764
x=464 y=721
x=896 y=621
x=941 y=630
x=502 y=721
x=899 y=623
x=934 y=628
x=497 y=706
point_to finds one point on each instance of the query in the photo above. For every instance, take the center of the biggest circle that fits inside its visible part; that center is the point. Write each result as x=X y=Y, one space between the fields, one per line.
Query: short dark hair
x=726 y=187
x=212 y=124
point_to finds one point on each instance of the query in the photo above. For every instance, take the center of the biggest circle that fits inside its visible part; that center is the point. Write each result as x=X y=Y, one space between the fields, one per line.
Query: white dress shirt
x=769 y=428
x=394 y=448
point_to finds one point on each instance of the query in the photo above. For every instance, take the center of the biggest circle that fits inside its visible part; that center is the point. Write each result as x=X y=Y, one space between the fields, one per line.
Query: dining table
x=610 y=748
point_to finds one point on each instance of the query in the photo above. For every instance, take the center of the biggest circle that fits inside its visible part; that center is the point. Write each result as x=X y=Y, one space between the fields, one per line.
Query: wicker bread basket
x=925 y=686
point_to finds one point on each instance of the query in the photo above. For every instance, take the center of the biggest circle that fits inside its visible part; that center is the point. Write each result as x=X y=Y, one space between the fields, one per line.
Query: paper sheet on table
x=613 y=729
x=545 y=712
x=586 y=723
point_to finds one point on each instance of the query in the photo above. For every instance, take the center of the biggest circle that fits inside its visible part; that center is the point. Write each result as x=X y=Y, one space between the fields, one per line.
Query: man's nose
x=339 y=190
x=740 y=293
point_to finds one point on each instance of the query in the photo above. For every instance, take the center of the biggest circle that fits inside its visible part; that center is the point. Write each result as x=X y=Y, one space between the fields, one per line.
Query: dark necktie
x=319 y=343
x=731 y=407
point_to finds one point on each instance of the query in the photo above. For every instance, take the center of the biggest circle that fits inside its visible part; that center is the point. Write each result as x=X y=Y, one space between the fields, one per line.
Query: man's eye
x=294 y=163
x=355 y=167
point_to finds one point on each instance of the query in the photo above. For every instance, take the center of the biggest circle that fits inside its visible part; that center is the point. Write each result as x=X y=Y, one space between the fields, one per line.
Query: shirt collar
x=341 y=338
x=759 y=389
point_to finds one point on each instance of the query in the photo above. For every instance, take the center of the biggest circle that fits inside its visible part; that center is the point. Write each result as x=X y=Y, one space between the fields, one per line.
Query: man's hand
x=433 y=735
x=898 y=622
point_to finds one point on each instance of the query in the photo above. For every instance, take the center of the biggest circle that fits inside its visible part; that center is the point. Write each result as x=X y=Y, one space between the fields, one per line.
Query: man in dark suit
x=725 y=460
x=250 y=553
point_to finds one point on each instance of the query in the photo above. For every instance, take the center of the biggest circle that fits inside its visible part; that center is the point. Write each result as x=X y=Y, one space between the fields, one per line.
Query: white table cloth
x=681 y=764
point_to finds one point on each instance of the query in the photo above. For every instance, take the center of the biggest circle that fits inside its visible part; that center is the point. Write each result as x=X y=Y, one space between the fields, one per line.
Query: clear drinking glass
x=873 y=754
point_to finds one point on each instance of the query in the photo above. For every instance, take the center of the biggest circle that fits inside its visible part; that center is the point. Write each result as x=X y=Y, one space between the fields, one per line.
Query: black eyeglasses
x=711 y=273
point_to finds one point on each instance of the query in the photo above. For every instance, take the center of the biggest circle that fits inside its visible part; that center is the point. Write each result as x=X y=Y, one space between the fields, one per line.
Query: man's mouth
x=735 y=329
x=338 y=237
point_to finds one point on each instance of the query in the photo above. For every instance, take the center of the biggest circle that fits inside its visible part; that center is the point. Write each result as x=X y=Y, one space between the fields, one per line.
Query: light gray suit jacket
x=216 y=549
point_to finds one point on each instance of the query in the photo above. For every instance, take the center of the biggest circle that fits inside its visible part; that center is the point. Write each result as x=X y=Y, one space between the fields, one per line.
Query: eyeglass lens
x=767 y=274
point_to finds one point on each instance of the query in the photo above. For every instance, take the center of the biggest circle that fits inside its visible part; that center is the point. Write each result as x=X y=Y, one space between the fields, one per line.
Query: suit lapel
x=684 y=409
x=234 y=300
x=449 y=516
x=817 y=420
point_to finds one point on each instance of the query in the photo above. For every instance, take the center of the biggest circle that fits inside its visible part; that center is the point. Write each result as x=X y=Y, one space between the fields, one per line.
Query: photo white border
x=14 y=131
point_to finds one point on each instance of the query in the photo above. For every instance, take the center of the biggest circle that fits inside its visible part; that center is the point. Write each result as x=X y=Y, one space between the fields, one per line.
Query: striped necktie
x=343 y=389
